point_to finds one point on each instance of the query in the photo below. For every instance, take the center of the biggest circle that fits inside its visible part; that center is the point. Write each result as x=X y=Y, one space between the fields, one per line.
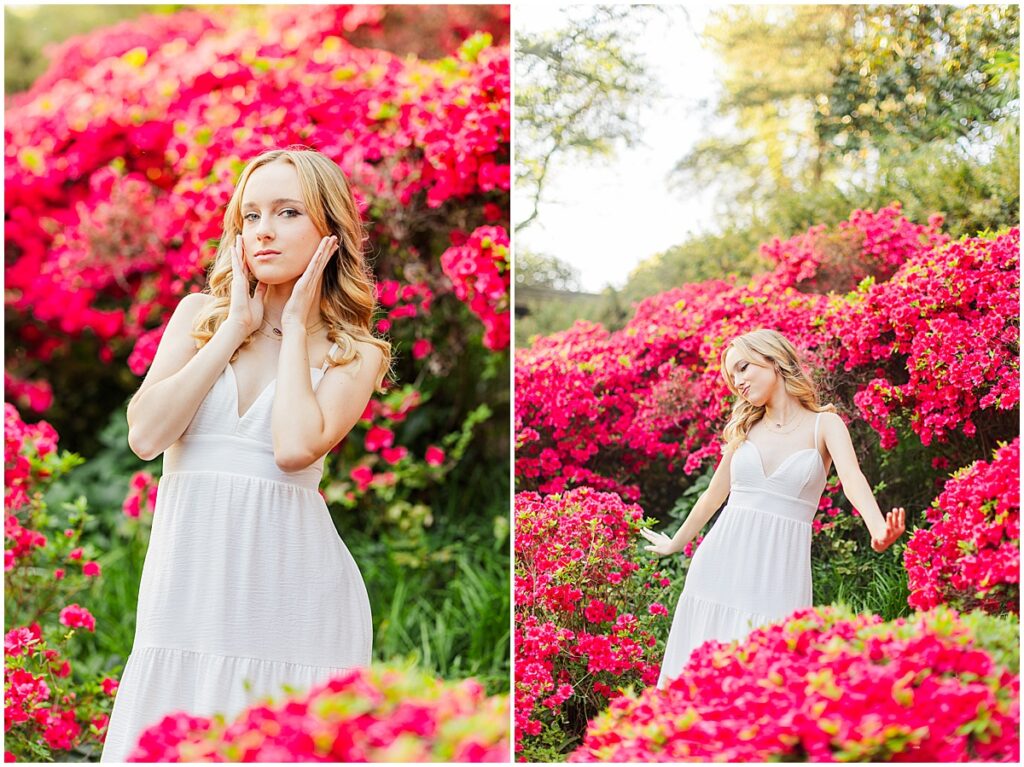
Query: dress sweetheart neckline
x=760 y=462
x=234 y=388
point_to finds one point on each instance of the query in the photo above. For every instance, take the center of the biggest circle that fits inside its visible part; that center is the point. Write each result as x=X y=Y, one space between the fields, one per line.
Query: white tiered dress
x=754 y=566
x=246 y=585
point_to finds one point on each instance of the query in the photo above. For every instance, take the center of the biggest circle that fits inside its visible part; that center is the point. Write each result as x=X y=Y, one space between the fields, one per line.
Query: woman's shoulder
x=370 y=354
x=193 y=303
x=830 y=419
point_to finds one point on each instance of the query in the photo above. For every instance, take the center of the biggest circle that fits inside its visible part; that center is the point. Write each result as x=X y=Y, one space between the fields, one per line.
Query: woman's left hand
x=895 y=524
x=306 y=293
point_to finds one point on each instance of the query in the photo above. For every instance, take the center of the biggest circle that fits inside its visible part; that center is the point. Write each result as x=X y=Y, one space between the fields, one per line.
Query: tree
x=832 y=108
x=578 y=91
x=541 y=270
x=828 y=98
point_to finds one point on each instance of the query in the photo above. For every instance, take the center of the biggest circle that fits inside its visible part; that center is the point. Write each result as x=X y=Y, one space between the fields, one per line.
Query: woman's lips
x=265 y=255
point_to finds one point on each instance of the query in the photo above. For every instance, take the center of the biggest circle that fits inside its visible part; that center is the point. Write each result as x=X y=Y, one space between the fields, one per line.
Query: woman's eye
x=290 y=211
x=250 y=216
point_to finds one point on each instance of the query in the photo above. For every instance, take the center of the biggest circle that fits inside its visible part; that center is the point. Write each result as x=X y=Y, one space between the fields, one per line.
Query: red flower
x=362 y=475
x=75 y=616
x=434 y=456
x=421 y=347
x=378 y=437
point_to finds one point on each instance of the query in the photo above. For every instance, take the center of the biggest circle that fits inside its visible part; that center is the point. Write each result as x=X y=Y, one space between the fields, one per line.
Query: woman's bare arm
x=304 y=424
x=710 y=501
x=884 y=530
x=178 y=379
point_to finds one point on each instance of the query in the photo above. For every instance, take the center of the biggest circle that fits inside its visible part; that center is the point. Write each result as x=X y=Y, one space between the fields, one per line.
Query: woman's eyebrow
x=278 y=201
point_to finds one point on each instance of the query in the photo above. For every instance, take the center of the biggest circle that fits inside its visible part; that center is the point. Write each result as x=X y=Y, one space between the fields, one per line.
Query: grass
x=878 y=586
x=451 y=617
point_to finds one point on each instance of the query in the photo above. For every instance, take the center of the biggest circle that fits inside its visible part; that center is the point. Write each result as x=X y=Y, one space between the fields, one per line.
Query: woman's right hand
x=661 y=544
x=245 y=310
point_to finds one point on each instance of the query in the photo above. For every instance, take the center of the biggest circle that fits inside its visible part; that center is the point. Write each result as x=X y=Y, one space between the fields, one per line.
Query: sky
x=605 y=216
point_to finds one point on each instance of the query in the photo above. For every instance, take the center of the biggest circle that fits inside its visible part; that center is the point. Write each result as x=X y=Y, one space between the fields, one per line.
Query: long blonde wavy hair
x=348 y=296
x=771 y=348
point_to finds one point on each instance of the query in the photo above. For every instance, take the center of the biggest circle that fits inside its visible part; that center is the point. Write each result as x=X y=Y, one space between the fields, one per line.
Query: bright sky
x=605 y=216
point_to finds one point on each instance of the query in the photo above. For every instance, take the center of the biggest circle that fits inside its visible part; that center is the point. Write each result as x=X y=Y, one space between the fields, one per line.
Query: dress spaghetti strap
x=817 y=420
x=330 y=356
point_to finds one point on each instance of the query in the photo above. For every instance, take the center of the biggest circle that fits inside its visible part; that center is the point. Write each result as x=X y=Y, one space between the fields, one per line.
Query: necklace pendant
x=277 y=332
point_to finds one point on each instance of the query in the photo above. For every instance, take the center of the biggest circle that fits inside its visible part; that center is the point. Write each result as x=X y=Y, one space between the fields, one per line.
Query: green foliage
x=543 y=312
x=834 y=108
x=703 y=257
x=450 y=616
x=28 y=29
x=847 y=572
x=908 y=75
x=998 y=635
x=544 y=271
x=551 y=746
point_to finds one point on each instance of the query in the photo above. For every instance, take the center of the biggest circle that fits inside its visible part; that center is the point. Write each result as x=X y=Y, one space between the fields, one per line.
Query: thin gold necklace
x=778 y=426
x=279 y=334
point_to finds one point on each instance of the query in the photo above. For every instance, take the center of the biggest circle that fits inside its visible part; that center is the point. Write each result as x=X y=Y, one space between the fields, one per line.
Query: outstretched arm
x=884 y=530
x=709 y=502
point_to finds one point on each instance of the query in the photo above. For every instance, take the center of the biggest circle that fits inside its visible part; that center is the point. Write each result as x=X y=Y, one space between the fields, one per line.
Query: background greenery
x=822 y=110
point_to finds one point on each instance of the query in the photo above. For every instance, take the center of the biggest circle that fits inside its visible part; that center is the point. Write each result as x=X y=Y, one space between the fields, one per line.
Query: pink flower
x=362 y=475
x=91 y=569
x=74 y=616
x=421 y=347
x=75 y=554
x=394 y=454
x=434 y=455
x=18 y=640
x=110 y=685
x=378 y=437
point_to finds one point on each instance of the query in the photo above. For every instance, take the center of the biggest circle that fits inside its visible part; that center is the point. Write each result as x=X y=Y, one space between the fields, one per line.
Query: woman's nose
x=263 y=229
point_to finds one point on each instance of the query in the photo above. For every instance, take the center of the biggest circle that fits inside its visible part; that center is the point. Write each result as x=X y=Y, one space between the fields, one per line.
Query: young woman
x=246 y=585
x=754 y=566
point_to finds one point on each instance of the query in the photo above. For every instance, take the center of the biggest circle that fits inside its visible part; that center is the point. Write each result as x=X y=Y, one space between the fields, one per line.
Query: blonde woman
x=754 y=566
x=246 y=584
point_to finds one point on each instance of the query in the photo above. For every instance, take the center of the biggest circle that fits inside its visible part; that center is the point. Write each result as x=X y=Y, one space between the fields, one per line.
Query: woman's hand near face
x=306 y=292
x=245 y=311
x=895 y=524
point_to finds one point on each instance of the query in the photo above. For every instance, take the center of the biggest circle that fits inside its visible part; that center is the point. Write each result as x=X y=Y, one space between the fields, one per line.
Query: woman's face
x=278 y=236
x=755 y=380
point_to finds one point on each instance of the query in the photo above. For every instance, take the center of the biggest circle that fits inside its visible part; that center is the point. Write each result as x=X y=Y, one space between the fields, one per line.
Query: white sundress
x=246 y=583
x=754 y=566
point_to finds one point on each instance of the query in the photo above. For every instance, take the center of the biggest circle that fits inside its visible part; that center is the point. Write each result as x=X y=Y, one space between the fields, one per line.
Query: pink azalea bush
x=827 y=685
x=624 y=411
x=480 y=271
x=969 y=555
x=153 y=120
x=374 y=715
x=943 y=331
x=50 y=707
x=586 y=615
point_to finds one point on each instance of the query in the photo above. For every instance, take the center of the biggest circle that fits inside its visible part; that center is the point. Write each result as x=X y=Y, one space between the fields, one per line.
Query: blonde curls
x=772 y=348
x=348 y=296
